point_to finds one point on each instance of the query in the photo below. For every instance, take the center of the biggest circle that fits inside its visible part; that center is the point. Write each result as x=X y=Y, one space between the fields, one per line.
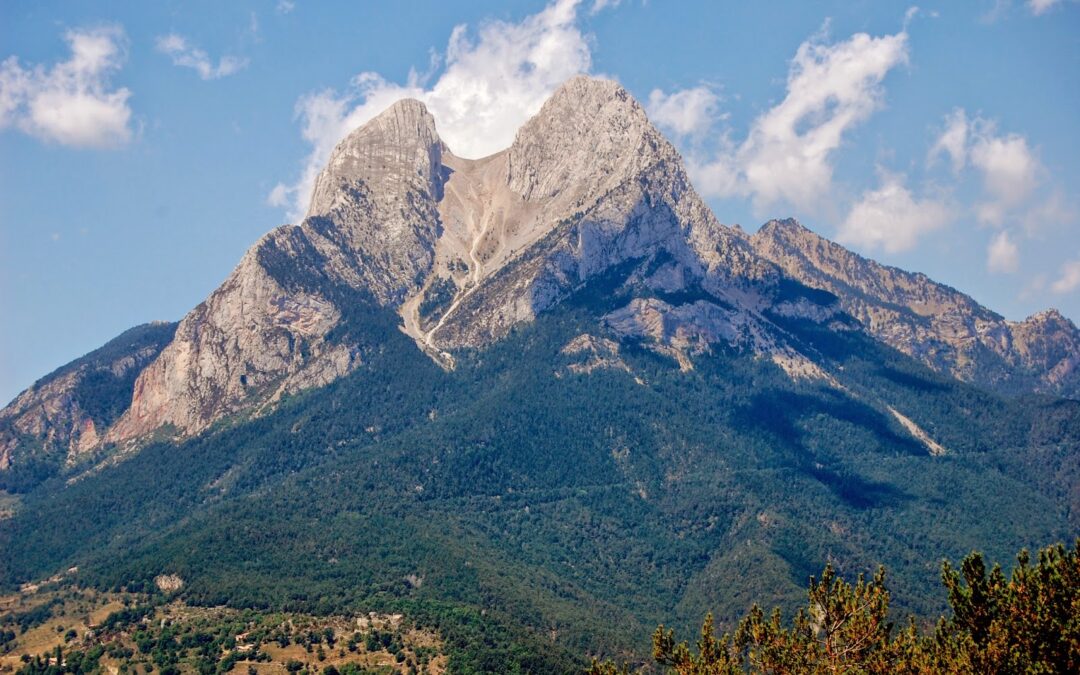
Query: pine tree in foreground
x=1026 y=623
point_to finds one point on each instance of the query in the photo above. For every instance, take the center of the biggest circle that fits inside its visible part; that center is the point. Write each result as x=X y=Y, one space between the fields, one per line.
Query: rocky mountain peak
x=588 y=184
x=394 y=152
x=1050 y=316
x=590 y=134
x=462 y=250
x=784 y=227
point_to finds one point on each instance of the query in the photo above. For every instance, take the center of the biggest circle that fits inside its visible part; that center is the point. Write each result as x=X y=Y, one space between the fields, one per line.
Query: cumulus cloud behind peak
x=1002 y=256
x=1069 y=278
x=892 y=218
x=685 y=112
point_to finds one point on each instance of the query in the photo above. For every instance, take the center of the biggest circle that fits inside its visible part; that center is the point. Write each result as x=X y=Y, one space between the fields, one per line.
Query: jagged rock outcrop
x=373 y=213
x=592 y=184
x=64 y=414
x=934 y=323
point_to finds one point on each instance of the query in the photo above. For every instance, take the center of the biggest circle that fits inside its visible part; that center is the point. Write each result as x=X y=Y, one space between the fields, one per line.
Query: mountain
x=464 y=250
x=540 y=402
x=931 y=322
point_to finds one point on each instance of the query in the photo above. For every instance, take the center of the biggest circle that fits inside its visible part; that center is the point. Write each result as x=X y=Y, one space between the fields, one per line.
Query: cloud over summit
x=491 y=83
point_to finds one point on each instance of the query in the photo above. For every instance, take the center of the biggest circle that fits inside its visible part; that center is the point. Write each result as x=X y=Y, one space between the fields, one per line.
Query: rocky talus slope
x=934 y=323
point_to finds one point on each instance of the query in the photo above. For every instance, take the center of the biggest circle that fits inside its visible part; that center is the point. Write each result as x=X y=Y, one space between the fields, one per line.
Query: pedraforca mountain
x=934 y=323
x=462 y=249
x=459 y=251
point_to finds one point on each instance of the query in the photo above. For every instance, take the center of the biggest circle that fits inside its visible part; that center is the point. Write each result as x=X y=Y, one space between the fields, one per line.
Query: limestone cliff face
x=251 y=339
x=932 y=322
x=63 y=415
x=373 y=213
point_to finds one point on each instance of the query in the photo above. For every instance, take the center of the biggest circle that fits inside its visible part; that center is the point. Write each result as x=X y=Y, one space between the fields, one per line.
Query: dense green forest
x=535 y=516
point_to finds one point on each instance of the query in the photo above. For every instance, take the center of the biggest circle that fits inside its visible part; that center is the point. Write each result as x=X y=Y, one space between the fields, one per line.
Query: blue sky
x=145 y=146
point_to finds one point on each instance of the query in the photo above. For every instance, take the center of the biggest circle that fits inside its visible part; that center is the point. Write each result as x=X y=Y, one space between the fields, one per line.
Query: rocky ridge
x=931 y=322
x=461 y=249
x=66 y=412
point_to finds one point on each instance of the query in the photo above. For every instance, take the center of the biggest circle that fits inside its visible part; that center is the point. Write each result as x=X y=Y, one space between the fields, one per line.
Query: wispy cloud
x=1069 y=278
x=1038 y=7
x=187 y=55
x=1017 y=190
x=1002 y=255
x=788 y=155
x=72 y=102
x=600 y=5
x=490 y=84
x=684 y=112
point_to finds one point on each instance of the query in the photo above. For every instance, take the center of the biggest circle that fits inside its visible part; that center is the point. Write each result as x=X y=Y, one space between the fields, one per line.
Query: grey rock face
x=934 y=323
x=462 y=249
x=599 y=186
x=373 y=213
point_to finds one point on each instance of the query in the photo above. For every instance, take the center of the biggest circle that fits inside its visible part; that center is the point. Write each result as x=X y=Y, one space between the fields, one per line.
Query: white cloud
x=685 y=112
x=186 y=55
x=1038 y=7
x=891 y=218
x=600 y=5
x=831 y=88
x=285 y=6
x=1069 y=279
x=1009 y=170
x=1002 y=255
x=490 y=85
x=717 y=176
x=953 y=140
x=1049 y=213
x=788 y=154
x=70 y=103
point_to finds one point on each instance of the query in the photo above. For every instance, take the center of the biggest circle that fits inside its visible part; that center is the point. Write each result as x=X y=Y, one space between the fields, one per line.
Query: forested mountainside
x=544 y=502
